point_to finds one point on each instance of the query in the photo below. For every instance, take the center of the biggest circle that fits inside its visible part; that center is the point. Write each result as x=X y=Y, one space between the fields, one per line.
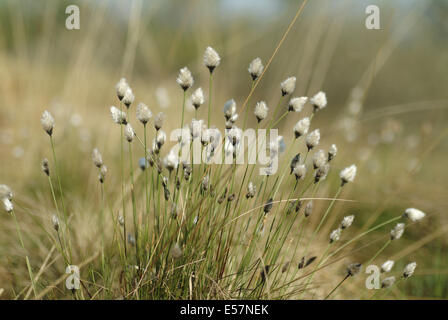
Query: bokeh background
x=387 y=93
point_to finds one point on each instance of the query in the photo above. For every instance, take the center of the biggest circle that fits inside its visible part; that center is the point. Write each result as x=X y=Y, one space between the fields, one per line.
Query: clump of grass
x=212 y=230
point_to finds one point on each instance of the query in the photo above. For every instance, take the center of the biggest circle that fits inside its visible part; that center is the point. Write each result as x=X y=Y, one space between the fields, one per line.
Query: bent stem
x=339 y=284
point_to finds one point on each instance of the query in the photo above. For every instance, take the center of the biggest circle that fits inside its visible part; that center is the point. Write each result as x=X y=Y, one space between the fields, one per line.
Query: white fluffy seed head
x=7 y=203
x=348 y=174
x=319 y=159
x=129 y=132
x=97 y=158
x=171 y=161
x=301 y=128
x=387 y=282
x=299 y=171
x=255 y=68
x=55 y=222
x=296 y=104
x=335 y=235
x=409 y=269
x=160 y=138
x=128 y=98
x=353 y=269
x=121 y=88
x=397 y=231
x=312 y=139
x=143 y=113
x=5 y=192
x=332 y=151
x=387 y=266
x=414 y=214
x=118 y=116
x=229 y=109
x=211 y=59
x=288 y=86
x=185 y=79
x=102 y=174
x=261 y=110
x=251 y=190
x=319 y=101
x=159 y=120
x=47 y=122
x=197 y=98
x=347 y=221
x=309 y=208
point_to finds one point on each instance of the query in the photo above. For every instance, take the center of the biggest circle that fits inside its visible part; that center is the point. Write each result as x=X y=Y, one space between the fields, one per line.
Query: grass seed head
x=332 y=151
x=387 y=266
x=321 y=173
x=7 y=203
x=348 y=174
x=121 y=88
x=409 y=269
x=118 y=116
x=251 y=190
x=319 y=101
x=308 y=209
x=353 y=269
x=312 y=139
x=55 y=222
x=388 y=282
x=229 y=109
x=211 y=59
x=261 y=110
x=159 y=120
x=347 y=221
x=335 y=235
x=128 y=98
x=129 y=132
x=255 y=68
x=301 y=127
x=143 y=113
x=45 y=166
x=171 y=161
x=296 y=104
x=97 y=158
x=288 y=86
x=319 y=159
x=185 y=79
x=299 y=171
x=102 y=174
x=197 y=98
x=414 y=214
x=268 y=206
x=47 y=122
x=397 y=232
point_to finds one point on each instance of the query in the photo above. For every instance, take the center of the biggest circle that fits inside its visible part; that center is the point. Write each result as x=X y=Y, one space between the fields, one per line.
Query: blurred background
x=387 y=93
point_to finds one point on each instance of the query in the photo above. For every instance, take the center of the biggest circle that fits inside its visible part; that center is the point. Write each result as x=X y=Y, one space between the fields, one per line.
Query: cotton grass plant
x=185 y=230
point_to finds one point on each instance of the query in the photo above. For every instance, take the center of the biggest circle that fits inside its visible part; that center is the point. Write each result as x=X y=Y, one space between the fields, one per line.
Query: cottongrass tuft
x=159 y=120
x=409 y=269
x=268 y=206
x=55 y=222
x=296 y=104
x=348 y=174
x=288 y=86
x=301 y=127
x=319 y=159
x=128 y=98
x=197 y=98
x=319 y=101
x=312 y=139
x=387 y=266
x=171 y=161
x=143 y=113
x=118 y=116
x=299 y=171
x=261 y=110
x=414 y=214
x=308 y=209
x=251 y=190
x=129 y=133
x=121 y=88
x=45 y=166
x=229 y=109
x=321 y=173
x=388 y=282
x=185 y=79
x=353 y=269
x=97 y=158
x=397 y=232
x=211 y=59
x=347 y=221
x=335 y=235
x=47 y=122
x=332 y=151
x=102 y=174
x=255 y=68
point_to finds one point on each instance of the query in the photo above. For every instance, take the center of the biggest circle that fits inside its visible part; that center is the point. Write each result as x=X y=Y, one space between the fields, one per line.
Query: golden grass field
x=387 y=113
